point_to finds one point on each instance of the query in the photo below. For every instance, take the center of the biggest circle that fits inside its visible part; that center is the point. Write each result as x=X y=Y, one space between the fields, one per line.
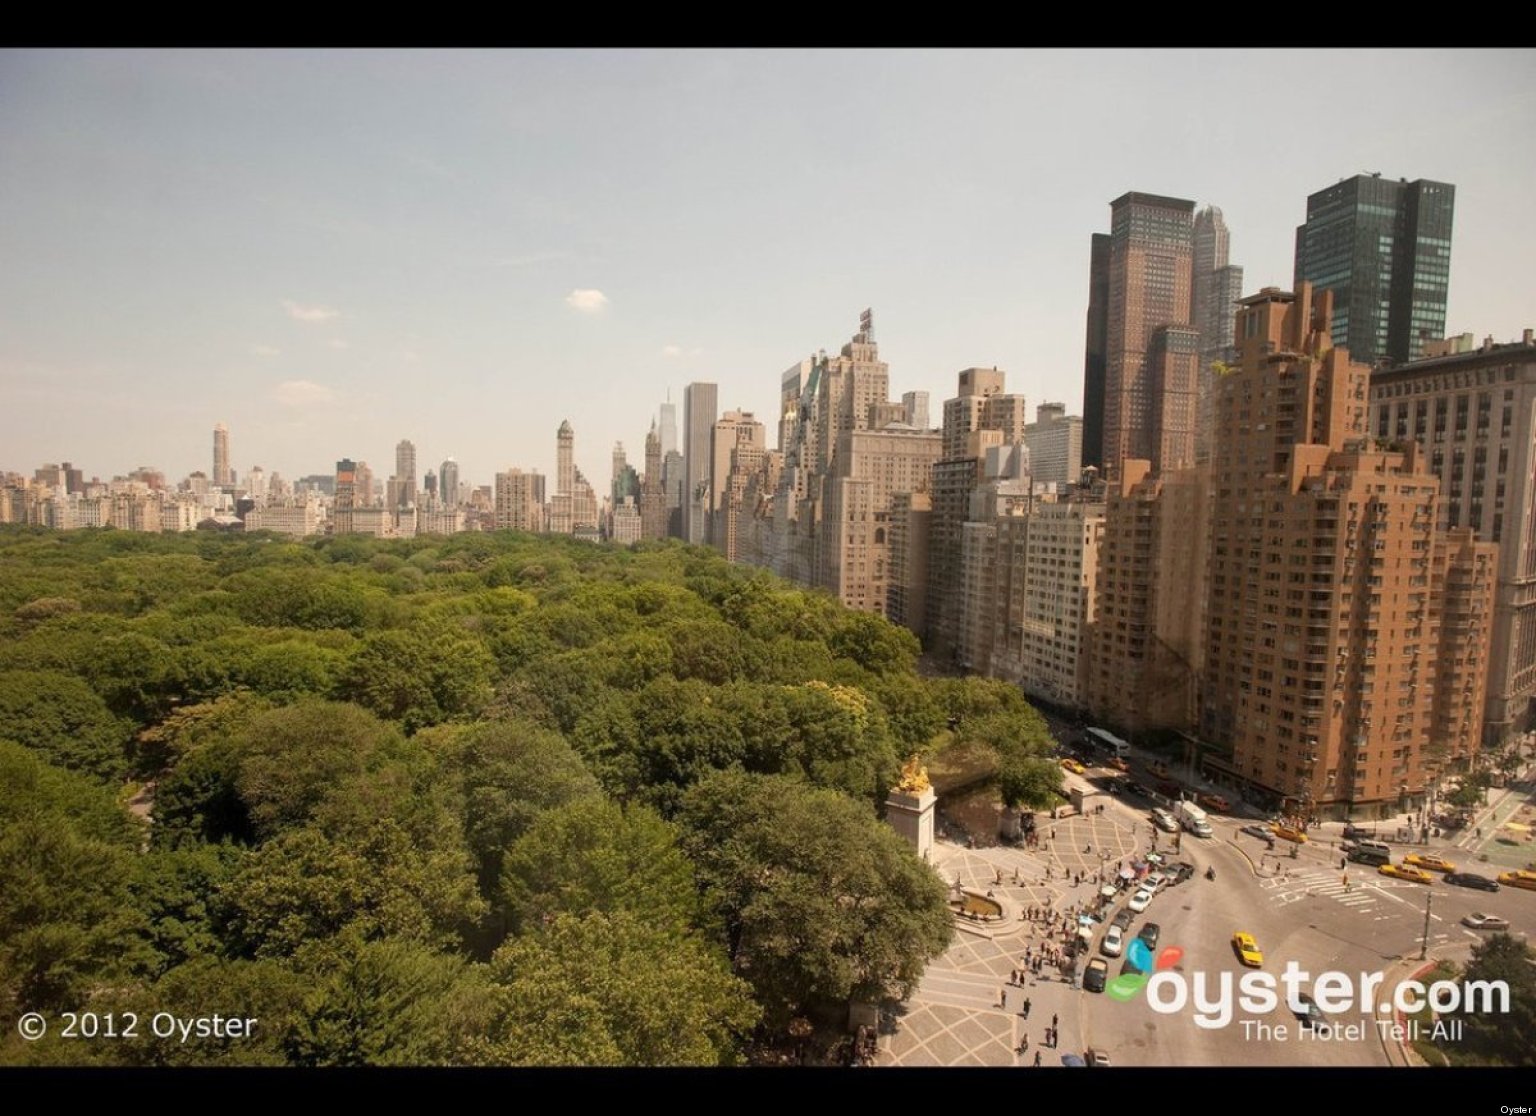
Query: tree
x=292 y=758
x=62 y=719
x=420 y=677
x=392 y=1003
x=615 y=990
x=593 y=855
x=1496 y=1038
x=510 y=773
x=304 y=888
x=821 y=903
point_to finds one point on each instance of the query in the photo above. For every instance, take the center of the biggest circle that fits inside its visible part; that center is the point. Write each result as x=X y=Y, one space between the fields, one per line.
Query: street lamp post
x=1429 y=897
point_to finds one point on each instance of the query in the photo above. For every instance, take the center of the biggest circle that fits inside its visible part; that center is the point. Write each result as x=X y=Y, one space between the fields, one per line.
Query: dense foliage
x=479 y=799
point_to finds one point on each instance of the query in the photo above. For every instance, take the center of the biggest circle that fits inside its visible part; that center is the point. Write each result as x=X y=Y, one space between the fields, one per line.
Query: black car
x=1358 y=833
x=1123 y=919
x=1179 y=871
x=1133 y=787
x=1309 y=1013
x=1472 y=880
x=1150 y=933
x=1096 y=975
x=1129 y=966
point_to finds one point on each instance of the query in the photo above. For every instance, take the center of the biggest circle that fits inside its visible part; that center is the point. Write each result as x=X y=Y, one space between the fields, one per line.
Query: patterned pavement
x=963 y=1012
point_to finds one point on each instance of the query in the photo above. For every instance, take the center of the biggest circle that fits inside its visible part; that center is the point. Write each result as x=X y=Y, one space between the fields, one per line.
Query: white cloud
x=588 y=301
x=337 y=343
x=302 y=393
x=309 y=313
x=265 y=351
x=671 y=350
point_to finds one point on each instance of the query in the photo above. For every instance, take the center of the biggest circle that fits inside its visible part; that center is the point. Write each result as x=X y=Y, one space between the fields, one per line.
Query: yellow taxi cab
x=1519 y=878
x=1247 y=950
x=1406 y=872
x=1431 y=861
x=1072 y=765
x=1289 y=834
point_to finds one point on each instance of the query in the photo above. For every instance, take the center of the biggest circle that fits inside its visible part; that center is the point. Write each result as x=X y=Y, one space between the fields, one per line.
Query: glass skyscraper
x=1383 y=248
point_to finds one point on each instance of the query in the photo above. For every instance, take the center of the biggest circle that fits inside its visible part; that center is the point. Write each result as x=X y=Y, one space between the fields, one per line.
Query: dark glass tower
x=1384 y=249
x=1096 y=353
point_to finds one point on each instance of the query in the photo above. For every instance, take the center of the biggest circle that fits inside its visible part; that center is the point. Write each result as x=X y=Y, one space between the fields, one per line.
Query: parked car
x=1073 y=1060
x=1356 y=832
x=1164 y=821
x=1140 y=900
x=1485 y=922
x=1155 y=881
x=1072 y=765
x=1215 y=803
x=1114 y=940
x=1472 y=880
x=1182 y=870
x=1149 y=935
x=1096 y=1057
x=1096 y=975
x=1124 y=919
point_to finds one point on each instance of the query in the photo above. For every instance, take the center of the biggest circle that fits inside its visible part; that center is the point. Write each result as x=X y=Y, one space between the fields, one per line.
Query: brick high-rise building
x=1474 y=415
x=1384 y=249
x=653 y=493
x=1344 y=625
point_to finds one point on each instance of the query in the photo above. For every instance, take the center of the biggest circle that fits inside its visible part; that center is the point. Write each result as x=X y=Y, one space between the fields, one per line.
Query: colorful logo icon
x=1127 y=986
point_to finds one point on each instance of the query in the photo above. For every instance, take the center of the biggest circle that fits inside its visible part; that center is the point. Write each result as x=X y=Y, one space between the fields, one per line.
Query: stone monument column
x=909 y=808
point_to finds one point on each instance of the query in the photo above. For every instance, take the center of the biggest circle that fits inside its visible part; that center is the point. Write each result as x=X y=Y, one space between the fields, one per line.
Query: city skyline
x=332 y=251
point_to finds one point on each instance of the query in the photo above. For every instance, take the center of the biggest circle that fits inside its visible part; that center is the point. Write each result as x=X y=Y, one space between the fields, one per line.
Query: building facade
x=1384 y=249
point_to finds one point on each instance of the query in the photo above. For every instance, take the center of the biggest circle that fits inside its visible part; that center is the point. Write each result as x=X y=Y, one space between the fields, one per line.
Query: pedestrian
x=1037 y=1059
x=1026 y=1007
x=1054 y=1020
x=1024 y=1044
x=1053 y=833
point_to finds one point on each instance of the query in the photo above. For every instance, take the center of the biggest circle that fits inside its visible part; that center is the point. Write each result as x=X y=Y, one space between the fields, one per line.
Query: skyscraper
x=1216 y=286
x=448 y=483
x=667 y=430
x=700 y=408
x=1096 y=351
x=565 y=459
x=1151 y=250
x=405 y=474
x=223 y=471
x=1384 y=249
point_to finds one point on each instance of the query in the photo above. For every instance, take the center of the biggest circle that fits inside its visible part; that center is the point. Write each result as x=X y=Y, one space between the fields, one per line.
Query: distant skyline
x=331 y=251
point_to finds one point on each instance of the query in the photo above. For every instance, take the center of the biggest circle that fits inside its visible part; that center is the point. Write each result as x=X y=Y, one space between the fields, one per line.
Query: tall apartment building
x=1146 y=388
x=1473 y=412
x=906 y=592
x=1384 y=249
x=870 y=468
x=1215 y=288
x=1055 y=441
x=979 y=417
x=653 y=494
x=731 y=430
x=519 y=502
x=345 y=502
x=1046 y=570
x=448 y=483
x=914 y=405
x=1144 y=651
x=298 y=520
x=1331 y=659
x=701 y=405
x=404 y=480
x=223 y=468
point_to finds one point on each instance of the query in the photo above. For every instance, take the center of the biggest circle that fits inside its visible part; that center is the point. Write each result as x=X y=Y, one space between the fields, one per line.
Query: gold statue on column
x=914 y=777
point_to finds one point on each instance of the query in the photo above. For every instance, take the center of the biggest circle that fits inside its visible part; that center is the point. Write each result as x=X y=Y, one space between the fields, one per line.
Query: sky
x=332 y=250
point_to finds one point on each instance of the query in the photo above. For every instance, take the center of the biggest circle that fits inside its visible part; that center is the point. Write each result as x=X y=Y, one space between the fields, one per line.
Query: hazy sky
x=333 y=250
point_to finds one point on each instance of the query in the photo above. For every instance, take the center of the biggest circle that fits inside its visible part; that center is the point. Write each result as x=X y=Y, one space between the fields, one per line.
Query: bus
x=1106 y=741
